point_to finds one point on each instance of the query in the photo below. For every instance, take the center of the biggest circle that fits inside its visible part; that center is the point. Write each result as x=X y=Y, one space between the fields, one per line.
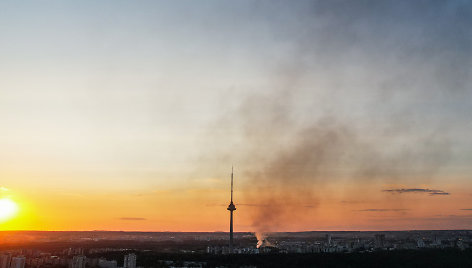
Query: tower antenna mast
x=231 y=184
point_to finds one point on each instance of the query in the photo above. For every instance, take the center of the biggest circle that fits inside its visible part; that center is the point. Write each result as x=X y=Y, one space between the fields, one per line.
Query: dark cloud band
x=416 y=190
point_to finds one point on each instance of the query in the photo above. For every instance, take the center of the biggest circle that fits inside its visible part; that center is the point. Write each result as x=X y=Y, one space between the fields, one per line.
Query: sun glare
x=8 y=209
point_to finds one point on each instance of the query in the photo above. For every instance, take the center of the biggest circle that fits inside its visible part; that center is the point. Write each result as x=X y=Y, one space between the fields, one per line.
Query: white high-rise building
x=130 y=261
x=18 y=262
x=78 y=262
x=5 y=260
x=103 y=263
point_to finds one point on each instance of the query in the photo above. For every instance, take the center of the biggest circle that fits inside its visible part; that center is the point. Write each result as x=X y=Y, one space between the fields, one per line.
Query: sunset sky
x=337 y=115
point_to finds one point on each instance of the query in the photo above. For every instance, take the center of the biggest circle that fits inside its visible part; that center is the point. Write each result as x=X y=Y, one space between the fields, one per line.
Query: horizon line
x=320 y=231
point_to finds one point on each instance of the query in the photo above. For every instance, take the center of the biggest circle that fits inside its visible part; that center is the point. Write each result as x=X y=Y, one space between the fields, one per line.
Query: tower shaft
x=231 y=232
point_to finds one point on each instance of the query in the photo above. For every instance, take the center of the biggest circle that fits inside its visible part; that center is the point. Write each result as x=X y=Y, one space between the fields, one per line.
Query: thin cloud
x=382 y=209
x=254 y=205
x=468 y=209
x=262 y=205
x=416 y=190
x=467 y=218
x=132 y=219
x=347 y=202
x=439 y=193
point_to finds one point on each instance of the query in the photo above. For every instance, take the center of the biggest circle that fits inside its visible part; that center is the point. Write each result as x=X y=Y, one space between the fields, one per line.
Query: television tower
x=231 y=208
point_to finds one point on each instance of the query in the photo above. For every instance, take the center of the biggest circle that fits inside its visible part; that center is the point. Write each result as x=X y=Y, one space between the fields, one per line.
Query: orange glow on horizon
x=204 y=209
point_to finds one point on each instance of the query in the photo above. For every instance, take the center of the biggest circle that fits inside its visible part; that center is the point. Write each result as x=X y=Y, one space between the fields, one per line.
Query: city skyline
x=337 y=115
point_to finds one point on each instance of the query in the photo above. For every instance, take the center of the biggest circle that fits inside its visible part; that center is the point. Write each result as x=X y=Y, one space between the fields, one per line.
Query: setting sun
x=8 y=209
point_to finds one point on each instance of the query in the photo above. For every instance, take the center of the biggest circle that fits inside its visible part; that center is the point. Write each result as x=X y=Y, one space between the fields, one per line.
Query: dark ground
x=413 y=258
x=154 y=253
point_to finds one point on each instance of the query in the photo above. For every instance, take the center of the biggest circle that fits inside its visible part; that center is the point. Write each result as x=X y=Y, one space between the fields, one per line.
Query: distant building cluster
x=8 y=261
x=178 y=247
x=36 y=259
x=348 y=244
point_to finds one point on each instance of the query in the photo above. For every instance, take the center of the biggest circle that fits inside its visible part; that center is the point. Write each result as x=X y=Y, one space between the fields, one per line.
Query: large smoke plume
x=351 y=100
x=286 y=175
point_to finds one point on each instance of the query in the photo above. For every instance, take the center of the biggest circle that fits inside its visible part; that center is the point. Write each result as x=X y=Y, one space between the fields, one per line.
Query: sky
x=336 y=115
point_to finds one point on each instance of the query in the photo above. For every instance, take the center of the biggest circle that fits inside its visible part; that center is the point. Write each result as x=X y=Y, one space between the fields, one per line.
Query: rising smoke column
x=358 y=95
x=283 y=187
